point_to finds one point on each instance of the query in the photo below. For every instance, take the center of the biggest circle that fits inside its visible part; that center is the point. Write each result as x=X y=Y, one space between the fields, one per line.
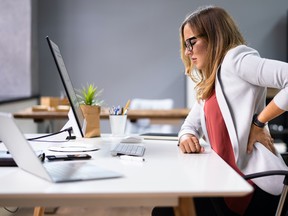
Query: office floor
x=73 y=211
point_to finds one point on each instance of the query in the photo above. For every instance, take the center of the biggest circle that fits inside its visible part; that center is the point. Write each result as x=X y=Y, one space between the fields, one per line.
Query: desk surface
x=179 y=113
x=166 y=175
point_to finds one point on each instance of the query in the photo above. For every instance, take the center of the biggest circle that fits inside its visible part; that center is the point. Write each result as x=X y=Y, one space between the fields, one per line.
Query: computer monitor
x=77 y=117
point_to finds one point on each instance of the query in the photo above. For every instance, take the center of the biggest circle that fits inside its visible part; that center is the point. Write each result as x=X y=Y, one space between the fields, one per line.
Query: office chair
x=282 y=209
x=282 y=206
x=146 y=125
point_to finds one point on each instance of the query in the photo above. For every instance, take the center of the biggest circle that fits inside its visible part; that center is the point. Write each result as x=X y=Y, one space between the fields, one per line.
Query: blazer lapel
x=226 y=115
x=203 y=122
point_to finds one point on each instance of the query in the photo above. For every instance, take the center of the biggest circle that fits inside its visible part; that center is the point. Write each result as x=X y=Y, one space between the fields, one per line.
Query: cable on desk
x=69 y=130
x=11 y=211
x=69 y=137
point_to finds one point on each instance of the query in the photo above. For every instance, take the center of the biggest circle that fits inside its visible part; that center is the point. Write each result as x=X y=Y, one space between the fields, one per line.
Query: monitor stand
x=77 y=145
x=72 y=123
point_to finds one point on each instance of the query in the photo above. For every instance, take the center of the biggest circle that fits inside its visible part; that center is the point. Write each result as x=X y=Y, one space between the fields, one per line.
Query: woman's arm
x=266 y=73
x=262 y=135
x=191 y=131
x=270 y=112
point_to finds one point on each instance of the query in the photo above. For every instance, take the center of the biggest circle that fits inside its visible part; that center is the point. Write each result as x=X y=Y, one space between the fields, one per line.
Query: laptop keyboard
x=128 y=149
x=71 y=171
x=64 y=169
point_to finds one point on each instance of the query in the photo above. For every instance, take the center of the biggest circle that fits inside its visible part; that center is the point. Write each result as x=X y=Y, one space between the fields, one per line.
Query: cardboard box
x=53 y=102
x=49 y=101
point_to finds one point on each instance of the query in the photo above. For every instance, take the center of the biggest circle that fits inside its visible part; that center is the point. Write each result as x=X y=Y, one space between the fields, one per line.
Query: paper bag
x=92 y=117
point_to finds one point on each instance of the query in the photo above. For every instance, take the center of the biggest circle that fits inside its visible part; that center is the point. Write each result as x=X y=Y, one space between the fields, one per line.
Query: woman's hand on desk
x=190 y=144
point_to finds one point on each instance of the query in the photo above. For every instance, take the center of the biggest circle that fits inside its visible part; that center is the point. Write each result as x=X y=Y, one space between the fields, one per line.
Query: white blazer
x=241 y=92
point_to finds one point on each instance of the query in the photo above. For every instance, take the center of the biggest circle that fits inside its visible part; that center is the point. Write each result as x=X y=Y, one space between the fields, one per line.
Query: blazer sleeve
x=192 y=123
x=262 y=72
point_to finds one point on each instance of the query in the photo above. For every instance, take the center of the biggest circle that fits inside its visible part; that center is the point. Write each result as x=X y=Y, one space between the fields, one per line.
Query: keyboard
x=128 y=149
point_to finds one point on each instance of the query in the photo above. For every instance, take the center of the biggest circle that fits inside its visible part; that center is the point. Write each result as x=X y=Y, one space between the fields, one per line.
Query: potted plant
x=90 y=103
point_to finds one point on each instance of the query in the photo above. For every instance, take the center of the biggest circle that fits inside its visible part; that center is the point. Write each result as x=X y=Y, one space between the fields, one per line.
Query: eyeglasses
x=190 y=42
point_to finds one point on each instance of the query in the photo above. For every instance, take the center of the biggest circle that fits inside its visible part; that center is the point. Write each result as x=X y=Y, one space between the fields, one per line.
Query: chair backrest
x=145 y=125
x=285 y=157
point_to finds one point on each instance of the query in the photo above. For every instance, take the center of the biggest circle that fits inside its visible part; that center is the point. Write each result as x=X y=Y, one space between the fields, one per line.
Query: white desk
x=166 y=175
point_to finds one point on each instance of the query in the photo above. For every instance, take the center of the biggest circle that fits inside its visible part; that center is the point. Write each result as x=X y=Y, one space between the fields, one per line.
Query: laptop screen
x=67 y=84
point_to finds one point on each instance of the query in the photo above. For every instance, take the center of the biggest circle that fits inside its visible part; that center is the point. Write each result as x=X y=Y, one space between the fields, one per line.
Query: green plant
x=89 y=95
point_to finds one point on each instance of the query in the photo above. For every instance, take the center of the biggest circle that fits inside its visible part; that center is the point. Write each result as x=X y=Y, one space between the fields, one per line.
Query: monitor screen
x=77 y=112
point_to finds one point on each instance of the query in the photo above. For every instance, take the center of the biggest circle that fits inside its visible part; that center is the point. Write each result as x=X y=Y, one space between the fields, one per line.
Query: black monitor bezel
x=79 y=117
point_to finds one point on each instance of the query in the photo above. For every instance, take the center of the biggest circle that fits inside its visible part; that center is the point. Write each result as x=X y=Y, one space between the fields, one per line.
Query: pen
x=126 y=107
x=117 y=110
x=131 y=158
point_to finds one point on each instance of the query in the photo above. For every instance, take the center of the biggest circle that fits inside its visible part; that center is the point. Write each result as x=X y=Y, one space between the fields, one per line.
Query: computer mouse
x=132 y=139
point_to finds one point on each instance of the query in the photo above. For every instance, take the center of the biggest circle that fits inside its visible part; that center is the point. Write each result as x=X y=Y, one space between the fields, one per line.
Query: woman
x=230 y=112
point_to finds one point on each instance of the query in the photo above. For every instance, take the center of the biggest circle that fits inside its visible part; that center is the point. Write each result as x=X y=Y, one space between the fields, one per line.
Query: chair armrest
x=282 y=202
x=266 y=173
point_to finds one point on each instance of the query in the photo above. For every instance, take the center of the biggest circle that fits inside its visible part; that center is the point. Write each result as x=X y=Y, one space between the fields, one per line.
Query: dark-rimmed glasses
x=190 y=42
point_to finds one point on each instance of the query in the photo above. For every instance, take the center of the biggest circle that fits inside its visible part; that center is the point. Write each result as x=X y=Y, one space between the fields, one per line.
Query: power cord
x=69 y=137
x=11 y=211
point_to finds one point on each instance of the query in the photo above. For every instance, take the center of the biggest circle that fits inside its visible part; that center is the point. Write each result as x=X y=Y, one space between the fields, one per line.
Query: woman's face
x=196 y=49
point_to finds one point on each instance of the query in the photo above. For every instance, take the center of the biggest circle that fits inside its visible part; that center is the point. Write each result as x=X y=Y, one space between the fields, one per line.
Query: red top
x=221 y=144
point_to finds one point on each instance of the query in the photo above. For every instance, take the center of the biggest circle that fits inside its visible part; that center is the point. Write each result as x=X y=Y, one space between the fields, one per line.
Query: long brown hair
x=221 y=34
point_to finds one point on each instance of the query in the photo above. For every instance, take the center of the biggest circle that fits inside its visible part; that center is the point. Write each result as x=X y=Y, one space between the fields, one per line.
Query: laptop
x=27 y=159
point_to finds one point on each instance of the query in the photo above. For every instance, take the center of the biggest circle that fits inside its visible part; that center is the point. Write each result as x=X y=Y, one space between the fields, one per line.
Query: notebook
x=27 y=159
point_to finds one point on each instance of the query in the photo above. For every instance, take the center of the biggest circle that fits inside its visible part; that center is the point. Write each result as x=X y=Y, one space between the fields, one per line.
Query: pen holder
x=118 y=124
